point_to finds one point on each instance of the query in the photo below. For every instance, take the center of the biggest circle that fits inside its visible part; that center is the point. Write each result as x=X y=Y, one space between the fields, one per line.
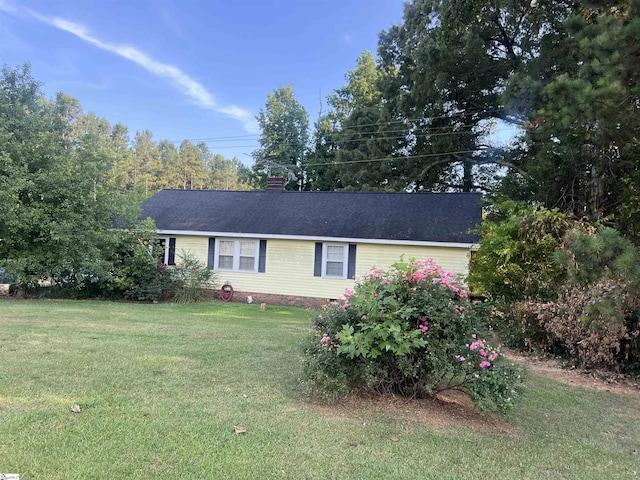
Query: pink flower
x=460 y=357
x=484 y=364
x=348 y=293
x=418 y=276
x=493 y=356
x=375 y=294
x=364 y=317
x=424 y=328
x=346 y=304
x=463 y=295
x=325 y=339
x=483 y=353
x=476 y=344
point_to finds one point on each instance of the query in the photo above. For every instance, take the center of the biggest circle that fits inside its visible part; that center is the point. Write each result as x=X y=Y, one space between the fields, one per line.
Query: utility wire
x=370 y=137
x=403 y=121
x=406 y=157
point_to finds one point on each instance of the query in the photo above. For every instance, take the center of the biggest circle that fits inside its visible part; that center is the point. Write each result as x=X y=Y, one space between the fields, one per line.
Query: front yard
x=161 y=388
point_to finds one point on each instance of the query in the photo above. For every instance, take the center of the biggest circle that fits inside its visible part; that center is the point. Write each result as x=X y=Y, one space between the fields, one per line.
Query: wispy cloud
x=180 y=80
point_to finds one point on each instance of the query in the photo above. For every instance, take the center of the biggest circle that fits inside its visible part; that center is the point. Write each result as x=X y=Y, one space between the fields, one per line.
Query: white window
x=168 y=245
x=240 y=255
x=334 y=260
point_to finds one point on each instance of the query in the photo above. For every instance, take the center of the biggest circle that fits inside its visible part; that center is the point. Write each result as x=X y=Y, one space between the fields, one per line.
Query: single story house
x=308 y=247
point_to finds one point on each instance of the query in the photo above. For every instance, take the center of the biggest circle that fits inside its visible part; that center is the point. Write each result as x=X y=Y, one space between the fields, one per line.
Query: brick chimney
x=275 y=184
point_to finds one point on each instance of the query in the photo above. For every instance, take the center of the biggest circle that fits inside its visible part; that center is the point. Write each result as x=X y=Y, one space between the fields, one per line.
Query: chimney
x=275 y=184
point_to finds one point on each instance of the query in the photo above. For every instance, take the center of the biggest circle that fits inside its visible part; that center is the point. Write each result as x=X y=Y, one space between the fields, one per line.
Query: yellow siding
x=451 y=259
x=199 y=246
x=290 y=264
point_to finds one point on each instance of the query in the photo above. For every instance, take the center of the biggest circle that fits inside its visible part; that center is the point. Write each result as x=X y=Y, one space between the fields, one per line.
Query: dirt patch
x=594 y=380
x=456 y=408
x=447 y=409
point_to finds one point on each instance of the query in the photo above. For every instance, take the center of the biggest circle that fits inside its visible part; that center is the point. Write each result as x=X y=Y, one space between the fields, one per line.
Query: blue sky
x=191 y=69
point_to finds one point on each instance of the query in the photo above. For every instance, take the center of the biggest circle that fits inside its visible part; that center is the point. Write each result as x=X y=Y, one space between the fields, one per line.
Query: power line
x=403 y=121
x=206 y=139
x=406 y=157
x=369 y=137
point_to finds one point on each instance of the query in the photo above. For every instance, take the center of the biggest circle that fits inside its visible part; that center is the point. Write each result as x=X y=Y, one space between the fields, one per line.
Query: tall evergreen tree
x=284 y=139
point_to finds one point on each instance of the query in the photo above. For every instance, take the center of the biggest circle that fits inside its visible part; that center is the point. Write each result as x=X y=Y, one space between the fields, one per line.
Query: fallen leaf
x=239 y=430
x=394 y=438
x=76 y=409
x=353 y=444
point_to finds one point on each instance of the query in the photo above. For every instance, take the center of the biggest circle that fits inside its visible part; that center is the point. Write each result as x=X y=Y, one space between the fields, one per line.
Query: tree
x=322 y=170
x=454 y=61
x=122 y=156
x=57 y=204
x=284 y=139
x=367 y=140
x=582 y=139
x=190 y=172
x=224 y=174
x=146 y=167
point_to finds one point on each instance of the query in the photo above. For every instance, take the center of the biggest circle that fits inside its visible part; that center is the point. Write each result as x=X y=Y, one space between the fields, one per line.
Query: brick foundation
x=271 y=299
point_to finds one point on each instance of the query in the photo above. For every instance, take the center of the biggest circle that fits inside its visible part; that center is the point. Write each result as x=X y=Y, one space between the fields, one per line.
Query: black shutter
x=351 y=267
x=317 y=262
x=211 y=257
x=172 y=251
x=262 y=256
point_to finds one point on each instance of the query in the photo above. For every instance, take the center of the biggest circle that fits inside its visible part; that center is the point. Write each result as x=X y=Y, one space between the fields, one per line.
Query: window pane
x=227 y=247
x=225 y=261
x=247 y=263
x=335 y=269
x=248 y=248
x=335 y=252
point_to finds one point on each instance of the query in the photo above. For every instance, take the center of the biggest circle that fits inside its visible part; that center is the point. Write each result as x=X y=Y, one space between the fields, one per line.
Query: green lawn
x=162 y=386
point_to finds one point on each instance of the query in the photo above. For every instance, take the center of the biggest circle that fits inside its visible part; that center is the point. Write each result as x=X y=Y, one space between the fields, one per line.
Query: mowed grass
x=161 y=388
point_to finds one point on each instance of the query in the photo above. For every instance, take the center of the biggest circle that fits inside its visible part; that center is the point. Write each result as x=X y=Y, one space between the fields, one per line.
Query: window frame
x=236 y=254
x=166 y=246
x=345 y=260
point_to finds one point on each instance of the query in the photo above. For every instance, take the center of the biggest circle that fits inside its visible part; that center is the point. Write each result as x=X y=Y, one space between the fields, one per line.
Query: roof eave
x=265 y=236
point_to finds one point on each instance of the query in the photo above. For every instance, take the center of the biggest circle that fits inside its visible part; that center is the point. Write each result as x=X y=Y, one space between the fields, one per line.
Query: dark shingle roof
x=431 y=217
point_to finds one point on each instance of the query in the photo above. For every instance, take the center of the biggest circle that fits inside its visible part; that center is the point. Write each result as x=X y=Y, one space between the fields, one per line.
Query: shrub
x=515 y=258
x=595 y=318
x=136 y=271
x=152 y=283
x=192 y=277
x=410 y=330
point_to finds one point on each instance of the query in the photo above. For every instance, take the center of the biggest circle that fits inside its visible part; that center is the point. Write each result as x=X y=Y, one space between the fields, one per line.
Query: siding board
x=292 y=264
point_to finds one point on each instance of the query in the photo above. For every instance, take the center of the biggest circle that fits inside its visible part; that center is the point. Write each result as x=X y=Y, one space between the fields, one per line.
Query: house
x=307 y=247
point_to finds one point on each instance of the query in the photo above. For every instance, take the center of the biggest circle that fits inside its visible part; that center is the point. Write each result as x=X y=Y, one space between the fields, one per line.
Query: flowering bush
x=410 y=330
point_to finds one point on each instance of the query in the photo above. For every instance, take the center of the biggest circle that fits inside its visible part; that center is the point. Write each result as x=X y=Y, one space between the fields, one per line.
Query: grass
x=162 y=386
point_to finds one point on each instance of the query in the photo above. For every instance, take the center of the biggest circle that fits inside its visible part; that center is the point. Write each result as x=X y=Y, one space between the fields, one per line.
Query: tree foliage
x=66 y=176
x=284 y=139
x=54 y=184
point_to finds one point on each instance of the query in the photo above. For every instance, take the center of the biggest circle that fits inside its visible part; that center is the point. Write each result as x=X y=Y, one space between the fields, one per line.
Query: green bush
x=515 y=259
x=135 y=270
x=412 y=331
x=192 y=277
x=152 y=283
